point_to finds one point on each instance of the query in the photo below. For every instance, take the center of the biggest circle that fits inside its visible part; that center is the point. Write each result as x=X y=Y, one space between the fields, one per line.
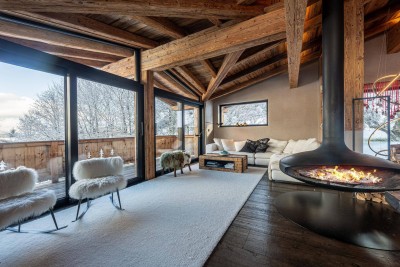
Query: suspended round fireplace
x=334 y=166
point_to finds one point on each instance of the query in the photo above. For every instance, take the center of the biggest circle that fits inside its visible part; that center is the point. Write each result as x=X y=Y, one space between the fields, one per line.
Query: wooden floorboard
x=260 y=236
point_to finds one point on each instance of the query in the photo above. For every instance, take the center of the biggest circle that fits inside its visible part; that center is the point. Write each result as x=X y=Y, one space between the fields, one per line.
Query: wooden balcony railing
x=48 y=157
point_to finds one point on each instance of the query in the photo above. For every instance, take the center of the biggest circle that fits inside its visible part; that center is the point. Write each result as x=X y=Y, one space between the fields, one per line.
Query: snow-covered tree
x=103 y=112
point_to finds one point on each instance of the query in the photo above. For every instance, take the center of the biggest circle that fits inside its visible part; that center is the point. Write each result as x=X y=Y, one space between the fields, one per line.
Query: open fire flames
x=339 y=174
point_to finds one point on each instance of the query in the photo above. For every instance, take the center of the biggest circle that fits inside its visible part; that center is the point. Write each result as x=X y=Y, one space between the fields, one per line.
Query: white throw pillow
x=305 y=145
x=276 y=146
x=239 y=145
x=219 y=143
x=289 y=148
x=228 y=144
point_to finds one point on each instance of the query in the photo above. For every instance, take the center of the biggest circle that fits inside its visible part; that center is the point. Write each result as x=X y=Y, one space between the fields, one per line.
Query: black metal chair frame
x=18 y=229
x=88 y=200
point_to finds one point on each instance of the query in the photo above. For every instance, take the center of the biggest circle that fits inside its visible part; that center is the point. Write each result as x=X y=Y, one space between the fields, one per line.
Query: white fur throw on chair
x=19 y=208
x=17 y=182
x=97 y=177
x=98 y=167
x=18 y=201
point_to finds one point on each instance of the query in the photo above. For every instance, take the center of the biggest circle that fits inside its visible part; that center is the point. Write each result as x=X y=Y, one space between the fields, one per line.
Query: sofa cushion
x=228 y=144
x=289 y=147
x=250 y=146
x=276 y=146
x=218 y=142
x=239 y=145
x=265 y=155
x=305 y=145
x=262 y=145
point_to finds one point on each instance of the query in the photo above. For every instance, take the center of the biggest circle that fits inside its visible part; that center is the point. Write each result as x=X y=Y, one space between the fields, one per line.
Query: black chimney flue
x=333 y=151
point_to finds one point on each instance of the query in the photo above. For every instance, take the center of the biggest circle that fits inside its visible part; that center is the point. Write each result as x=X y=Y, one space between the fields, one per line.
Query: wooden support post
x=353 y=62
x=149 y=134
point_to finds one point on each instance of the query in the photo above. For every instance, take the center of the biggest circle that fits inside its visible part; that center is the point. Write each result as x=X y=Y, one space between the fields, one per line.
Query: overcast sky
x=18 y=89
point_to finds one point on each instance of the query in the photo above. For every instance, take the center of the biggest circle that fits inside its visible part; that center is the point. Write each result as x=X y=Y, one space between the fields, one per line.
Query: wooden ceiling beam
x=245 y=2
x=87 y=62
x=295 y=16
x=192 y=79
x=268 y=62
x=64 y=51
x=281 y=69
x=157 y=8
x=186 y=82
x=259 y=54
x=127 y=72
x=84 y=25
x=228 y=62
x=215 y=42
x=393 y=39
x=19 y=31
x=380 y=28
x=171 y=81
x=240 y=86
x=209 y=67
x=162 y=25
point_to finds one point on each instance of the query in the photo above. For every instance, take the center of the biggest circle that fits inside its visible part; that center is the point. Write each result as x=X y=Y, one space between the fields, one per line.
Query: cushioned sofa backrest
x=17 y=182
x=276 y=146
x=97 y=167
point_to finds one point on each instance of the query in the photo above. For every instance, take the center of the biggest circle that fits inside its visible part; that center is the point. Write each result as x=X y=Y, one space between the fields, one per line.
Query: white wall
x=292 y=113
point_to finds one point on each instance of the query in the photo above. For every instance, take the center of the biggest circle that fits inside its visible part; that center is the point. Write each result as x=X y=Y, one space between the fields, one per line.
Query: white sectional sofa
x=277 y=149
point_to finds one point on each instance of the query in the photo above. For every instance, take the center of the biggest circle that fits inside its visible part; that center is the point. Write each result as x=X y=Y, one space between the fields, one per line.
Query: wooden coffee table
x=217 y=162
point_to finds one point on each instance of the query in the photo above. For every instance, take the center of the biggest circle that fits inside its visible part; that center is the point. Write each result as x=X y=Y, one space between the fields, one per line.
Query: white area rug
x=166 y=222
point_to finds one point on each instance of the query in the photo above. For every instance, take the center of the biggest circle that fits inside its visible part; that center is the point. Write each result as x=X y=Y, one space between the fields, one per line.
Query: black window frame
x=221 y=124
x=18 y=55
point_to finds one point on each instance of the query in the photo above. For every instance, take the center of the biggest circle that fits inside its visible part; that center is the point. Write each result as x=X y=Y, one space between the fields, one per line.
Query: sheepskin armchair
x=97 y=177
x=175 y=160
x=18 y=199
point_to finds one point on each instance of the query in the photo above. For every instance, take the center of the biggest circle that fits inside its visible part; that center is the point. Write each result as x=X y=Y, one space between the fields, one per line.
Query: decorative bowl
x=224 y=153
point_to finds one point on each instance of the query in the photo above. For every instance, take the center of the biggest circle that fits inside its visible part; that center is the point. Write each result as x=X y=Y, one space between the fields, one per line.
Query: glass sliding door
x=32 y=130
x=169 y=132
x=107 y=123
x=192 y=130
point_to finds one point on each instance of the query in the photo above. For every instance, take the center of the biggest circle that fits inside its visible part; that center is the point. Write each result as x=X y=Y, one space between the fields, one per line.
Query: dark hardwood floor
x=260 y=236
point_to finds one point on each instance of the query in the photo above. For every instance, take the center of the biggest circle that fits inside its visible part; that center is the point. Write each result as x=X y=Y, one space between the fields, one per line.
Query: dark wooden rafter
x=10 y=29
x=209 y=66
x=163 y=25
x=175 y=84
x=192 y=79
x=295 y=16
x=65 y=51
x=268 y=62
x=262 y=77
x=227 y=64
x=393 y=39
x=201 y=9
x=84 y=25
x=183 y=80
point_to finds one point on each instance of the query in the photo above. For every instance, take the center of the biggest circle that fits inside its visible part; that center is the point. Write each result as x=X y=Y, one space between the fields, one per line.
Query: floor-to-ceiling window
x=32 y=126
x=169 y=133
x=192 y=130
x=54 y=112
x=107 y=123
x=177 y=125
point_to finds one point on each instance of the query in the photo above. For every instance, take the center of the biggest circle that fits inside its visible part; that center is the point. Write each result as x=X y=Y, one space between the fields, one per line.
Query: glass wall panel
x=107 y=123
x=169 y=134
x=192 y=130
x=32 y=131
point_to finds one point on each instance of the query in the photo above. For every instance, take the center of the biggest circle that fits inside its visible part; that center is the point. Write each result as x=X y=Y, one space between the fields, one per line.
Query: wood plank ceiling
x=201 y=49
